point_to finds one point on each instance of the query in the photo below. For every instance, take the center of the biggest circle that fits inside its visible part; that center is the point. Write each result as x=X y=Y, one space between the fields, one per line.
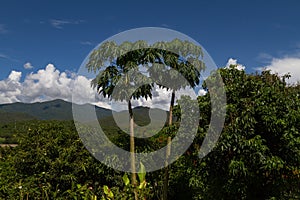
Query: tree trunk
x=166 y=178
x=168 y=152
x=171 y=108
x=132 y=149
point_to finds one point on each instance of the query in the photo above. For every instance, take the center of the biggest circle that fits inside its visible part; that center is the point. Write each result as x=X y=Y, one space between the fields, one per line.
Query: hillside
x=8 y=117
x=50 y=110
x=14 y=115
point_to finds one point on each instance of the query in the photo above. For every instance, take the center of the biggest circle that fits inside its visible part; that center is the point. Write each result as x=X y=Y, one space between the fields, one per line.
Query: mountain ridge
x=57 y=109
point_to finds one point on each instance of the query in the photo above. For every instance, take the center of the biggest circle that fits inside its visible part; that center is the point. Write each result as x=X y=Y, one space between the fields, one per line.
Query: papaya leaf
x=142 y=173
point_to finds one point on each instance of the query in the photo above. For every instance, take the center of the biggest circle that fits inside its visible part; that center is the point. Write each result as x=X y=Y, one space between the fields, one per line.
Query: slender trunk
x=168 y=152
x=166 y=178
x=132 y=147
x=171 y=108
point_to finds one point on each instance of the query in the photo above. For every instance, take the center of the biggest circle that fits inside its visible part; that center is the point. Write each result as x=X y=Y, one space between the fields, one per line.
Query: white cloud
x=286 y=65
x=46 y=84
x=28 y=65
x=3 y=56
x=6 y=57
x=160 y=99
x=82 y=91
x=232 y=61
x=15 y=76
x=49 y=84
x=10 y=88
x=202 y=92
x=264 y=57
x=57 y=23
x=86 y=43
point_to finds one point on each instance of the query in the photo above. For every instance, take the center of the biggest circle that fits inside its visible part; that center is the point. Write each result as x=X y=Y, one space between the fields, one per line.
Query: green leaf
x=142 y=185
x=125 y=179
x=107 y=191
x=142 y=173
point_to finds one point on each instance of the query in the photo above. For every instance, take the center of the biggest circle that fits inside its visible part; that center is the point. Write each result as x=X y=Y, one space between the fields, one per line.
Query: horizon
x=54 y=100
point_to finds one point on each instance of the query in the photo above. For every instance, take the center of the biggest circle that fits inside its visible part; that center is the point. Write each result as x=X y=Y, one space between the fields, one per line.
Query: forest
x=256 y=157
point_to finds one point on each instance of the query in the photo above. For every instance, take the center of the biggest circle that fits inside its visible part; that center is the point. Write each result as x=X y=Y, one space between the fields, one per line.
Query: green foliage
x=256 y=157
x=143 y=192
x=141 y=175
x=125 y=59
x=109 y=194
x=13 y=115
x=50 y=158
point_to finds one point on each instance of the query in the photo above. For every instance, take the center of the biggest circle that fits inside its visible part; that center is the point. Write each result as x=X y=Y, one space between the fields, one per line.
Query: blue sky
x=256 y=33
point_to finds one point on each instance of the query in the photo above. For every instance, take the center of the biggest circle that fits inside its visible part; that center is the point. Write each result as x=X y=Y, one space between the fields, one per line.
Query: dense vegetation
x=256 y=157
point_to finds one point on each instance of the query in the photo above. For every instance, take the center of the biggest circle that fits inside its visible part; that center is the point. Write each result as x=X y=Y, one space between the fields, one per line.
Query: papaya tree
x=121 y=65
x=187 y=59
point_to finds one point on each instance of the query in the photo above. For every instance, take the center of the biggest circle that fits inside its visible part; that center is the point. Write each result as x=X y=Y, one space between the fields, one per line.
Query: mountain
x=50 y=110
x=14 y=114
x=62 y=110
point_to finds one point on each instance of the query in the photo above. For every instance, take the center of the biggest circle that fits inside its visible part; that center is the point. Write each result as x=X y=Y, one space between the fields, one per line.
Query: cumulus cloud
x=232 y=61
x=160 y=99
x=46 y=84
x=15 y=76
x=49 y=84
x=284 y=66
x=28 y=65
x=10 y=88
x=202 y=92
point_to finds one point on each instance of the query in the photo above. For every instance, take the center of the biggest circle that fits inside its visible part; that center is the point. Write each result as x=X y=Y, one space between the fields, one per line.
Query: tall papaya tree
x=122 y=68
x=121 y=63
x=187 y=59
